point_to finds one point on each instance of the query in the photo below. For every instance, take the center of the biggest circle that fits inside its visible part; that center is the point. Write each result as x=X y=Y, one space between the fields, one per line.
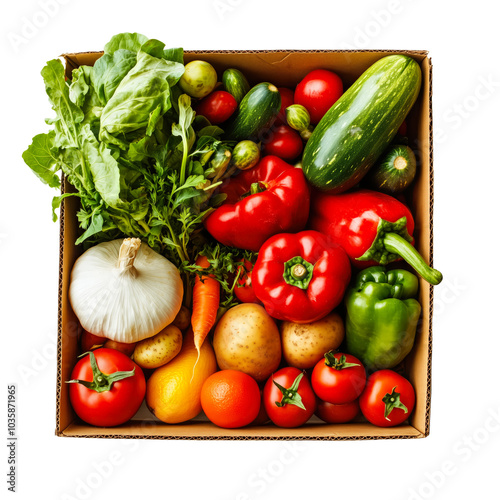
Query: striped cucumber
x=246 y=154
x=360 y=125
x=255 y=114
x=235 y=83
x=394 y=170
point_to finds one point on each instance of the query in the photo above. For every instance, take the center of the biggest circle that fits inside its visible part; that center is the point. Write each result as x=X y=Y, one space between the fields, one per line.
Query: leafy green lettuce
x=124 y=137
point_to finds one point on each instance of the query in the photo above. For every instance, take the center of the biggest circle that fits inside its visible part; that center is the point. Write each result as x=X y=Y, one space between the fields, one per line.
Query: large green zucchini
x=360 y=125
x=255 y=114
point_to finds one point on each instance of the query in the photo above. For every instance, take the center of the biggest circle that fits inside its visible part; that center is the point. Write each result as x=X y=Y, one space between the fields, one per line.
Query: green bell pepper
x=382 y=316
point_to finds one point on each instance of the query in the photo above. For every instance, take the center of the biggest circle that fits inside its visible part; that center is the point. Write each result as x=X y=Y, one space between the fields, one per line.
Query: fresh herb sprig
x=227 y=265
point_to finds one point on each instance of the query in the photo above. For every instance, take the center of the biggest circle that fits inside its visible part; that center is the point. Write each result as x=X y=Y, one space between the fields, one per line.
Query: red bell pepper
x=372 y=227
x=270 y=198
x=300 y=277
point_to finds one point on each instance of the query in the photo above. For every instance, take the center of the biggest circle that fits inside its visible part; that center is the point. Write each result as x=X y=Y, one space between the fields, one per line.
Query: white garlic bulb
x=125 y=291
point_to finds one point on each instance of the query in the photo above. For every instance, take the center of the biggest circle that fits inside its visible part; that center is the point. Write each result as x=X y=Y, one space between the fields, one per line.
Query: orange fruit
x=230 y=399
x=173 y=392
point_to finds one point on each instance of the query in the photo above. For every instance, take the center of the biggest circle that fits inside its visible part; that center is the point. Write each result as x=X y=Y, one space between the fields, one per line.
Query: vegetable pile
x=246 y=248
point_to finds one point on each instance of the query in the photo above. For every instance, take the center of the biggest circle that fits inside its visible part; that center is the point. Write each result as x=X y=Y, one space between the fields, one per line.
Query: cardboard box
x=283 y=68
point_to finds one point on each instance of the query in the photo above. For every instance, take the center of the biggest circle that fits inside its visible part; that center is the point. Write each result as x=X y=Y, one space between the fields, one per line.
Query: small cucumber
x=246 y=154
x=298 y=117
x=235 y=82
x=394 y=171
x=255 y=114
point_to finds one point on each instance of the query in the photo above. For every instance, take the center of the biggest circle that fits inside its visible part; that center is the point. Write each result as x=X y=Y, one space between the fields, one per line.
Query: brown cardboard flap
x=202 y=430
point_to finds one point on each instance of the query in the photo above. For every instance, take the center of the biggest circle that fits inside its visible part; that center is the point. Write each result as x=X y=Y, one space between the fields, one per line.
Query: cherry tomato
x=283 y=142
x=338 y=378
x=286 y=100
x=317 y=92
x=337 y=414
x=109 y=392
x=217 y=107
x=388 y=399
x=243 y=289
x=288 y=398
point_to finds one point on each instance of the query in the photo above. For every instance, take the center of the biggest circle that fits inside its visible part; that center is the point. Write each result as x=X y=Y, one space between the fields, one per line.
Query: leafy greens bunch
x=127 y=139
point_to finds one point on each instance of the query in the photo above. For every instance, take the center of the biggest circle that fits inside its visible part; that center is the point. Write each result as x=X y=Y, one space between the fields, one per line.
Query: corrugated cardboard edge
x=71 y=60
x=59 y=381
x=431 y=256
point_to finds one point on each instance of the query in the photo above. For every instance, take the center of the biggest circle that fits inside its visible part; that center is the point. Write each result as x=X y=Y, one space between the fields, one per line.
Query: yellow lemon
x=173 y=391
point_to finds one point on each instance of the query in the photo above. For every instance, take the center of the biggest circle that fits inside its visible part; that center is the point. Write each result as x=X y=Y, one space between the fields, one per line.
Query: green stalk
x=185 y=147
x=396 y=244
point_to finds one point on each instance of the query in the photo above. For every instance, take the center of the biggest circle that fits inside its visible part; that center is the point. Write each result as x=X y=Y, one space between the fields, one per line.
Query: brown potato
x=247 y=339
x=305 y=344
x=183 y=318
x=158 y=350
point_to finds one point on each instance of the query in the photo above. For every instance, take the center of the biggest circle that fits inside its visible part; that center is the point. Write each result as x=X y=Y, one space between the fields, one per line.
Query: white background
x=460 y=457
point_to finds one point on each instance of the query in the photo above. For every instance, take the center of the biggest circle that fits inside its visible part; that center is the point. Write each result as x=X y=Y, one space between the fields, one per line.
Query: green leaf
x=68 y=113
x=79 y=86
x=175 y=55
x=186 y=116
x=154 y=119
x=94 y=227
x=145 y=88
x=109 y=71
x=56 y=203
x=41 y=158
x=184 y=129
x=185 y=195
x=104 y=168
x=128 y=41
x=211 y=131
x=136 y=209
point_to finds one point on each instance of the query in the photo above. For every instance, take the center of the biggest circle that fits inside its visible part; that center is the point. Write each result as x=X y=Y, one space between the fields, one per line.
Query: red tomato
x=262 y=418
x=317 y=92
x=388 y=399
x=337 y=414
x=286 y=100
x=338 y=378
x=127 y=349
x=283 y=142
x=243 y=289
x=217 y=107
x=89 y=341
x=294 y=403
x=403 y=129
x=114 y=402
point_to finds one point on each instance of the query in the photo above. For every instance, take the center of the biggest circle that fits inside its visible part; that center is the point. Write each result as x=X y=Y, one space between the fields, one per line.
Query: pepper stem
x=298 y=272
x=257 y=187
x=394 y=243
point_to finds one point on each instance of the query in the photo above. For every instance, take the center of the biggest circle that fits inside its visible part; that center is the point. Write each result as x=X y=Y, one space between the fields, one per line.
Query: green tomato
x=199 y=79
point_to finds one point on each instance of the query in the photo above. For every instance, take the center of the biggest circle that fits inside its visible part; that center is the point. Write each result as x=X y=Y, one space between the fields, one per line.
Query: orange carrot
x=206 y=298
